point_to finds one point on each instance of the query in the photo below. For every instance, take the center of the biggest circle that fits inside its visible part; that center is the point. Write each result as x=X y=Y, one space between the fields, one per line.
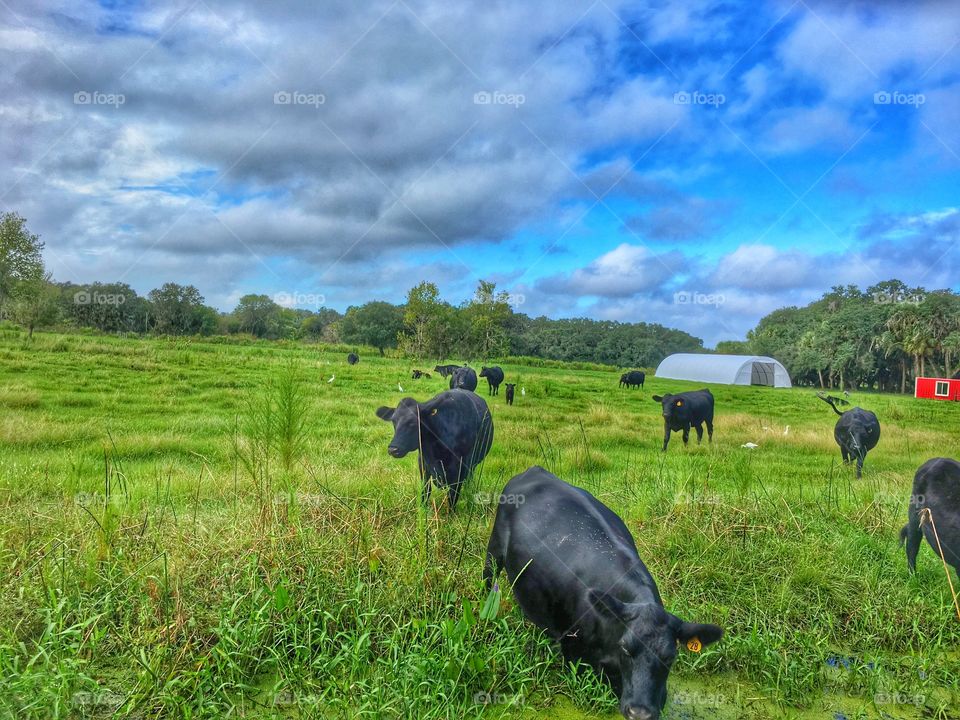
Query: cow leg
x=493 y=564
x=860 y=459
x=454 y=494
x=710 y=431
x=699 y=433
x=686 y=434
x=666 y=435
x=912 y=535
x=844 y=455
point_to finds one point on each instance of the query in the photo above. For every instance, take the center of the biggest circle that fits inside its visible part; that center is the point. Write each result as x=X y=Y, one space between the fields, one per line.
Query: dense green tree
x=376 y=323
x=179 y=310
x=21 y=260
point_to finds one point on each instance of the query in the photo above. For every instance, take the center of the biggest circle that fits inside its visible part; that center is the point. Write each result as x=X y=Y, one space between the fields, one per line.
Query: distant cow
x=452 y=431
x=352 y=359
x=494 y=376
x=634 y=378
x=685 y=410
x=936 y=487
x=856 y=432
x=576 y=573
x=464 y=378
x=417 y=374
x=445 y=370
x=510 y=388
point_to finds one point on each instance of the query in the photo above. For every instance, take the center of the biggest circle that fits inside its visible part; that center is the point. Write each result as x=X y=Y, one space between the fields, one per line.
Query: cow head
x=674 y=408
x=407 y=418
x=623 y=378
x=483 y=371
x=510 y=386
x=641 y=640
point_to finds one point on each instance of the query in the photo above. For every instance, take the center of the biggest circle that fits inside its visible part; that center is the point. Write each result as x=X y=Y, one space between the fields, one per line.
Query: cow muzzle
x=396 y=452
x=632 y=712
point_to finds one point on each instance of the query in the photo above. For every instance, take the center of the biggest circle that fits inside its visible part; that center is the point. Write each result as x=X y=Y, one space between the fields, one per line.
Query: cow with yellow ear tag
x=452 y=433
x=685 y=410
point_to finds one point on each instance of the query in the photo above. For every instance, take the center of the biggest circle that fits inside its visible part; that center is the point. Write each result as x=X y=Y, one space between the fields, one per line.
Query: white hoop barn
x=725 y=369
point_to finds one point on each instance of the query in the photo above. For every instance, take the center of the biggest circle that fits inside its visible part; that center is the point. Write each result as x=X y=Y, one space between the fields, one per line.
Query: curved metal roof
x=724 y=369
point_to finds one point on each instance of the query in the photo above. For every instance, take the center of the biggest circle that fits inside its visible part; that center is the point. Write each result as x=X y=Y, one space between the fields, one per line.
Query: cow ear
x=385 y=413
x=606 y=604
x=696 y=635
x=657 y=398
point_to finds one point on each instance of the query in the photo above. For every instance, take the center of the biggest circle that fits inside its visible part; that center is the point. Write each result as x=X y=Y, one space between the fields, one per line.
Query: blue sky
x=697 y=164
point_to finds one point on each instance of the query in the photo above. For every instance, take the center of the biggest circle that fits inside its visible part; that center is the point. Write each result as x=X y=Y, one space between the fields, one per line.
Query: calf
x=494 y=376
x=685 y=410
x=445 y=370
x=453 y=433
x=510 y=388
x=856 y=432
x=464 y=378
x=936 y=488
x=576 y=573
x=634 y=378
x=352 y=359
x=417 y=374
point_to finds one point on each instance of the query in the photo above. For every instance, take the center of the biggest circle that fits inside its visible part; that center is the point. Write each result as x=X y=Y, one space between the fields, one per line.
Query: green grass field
x=163 y=554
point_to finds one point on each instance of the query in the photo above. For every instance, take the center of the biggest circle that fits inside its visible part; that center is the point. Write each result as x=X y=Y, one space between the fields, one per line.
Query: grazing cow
x=510 y=388
x=634 y=378
x=352 y=359
x=445 y=370
x=856 y=432
x=576 y=574
x=685 y=410
x=452 y=431
x=936 y=487
x=417 y=374
x=464 y=378
x=494 y=376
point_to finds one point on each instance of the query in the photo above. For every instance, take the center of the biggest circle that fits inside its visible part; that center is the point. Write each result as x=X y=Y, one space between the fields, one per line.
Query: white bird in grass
x=750 y=446
x=399 y=387
x=332 y=378
x=786 y=430
x=523 y=392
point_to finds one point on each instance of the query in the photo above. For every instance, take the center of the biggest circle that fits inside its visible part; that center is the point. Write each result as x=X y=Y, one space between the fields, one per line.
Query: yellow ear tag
x=693 y=645
x=679 y=403
x=434 y=411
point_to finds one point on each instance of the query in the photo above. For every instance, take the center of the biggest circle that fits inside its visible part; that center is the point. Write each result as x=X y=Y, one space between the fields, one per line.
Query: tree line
x=423 y=327
x=881 y=338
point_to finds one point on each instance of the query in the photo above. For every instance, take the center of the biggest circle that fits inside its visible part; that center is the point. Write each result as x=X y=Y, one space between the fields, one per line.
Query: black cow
x=936 y=487
x=352 y=359
x=453 y=432
x=685 y=410
x=417 y=374
x=634 y=378
x=445 y=370
x=856 y=432
x=576 y=574
x=510 y=388
x=464 y=378
x=494 y=376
